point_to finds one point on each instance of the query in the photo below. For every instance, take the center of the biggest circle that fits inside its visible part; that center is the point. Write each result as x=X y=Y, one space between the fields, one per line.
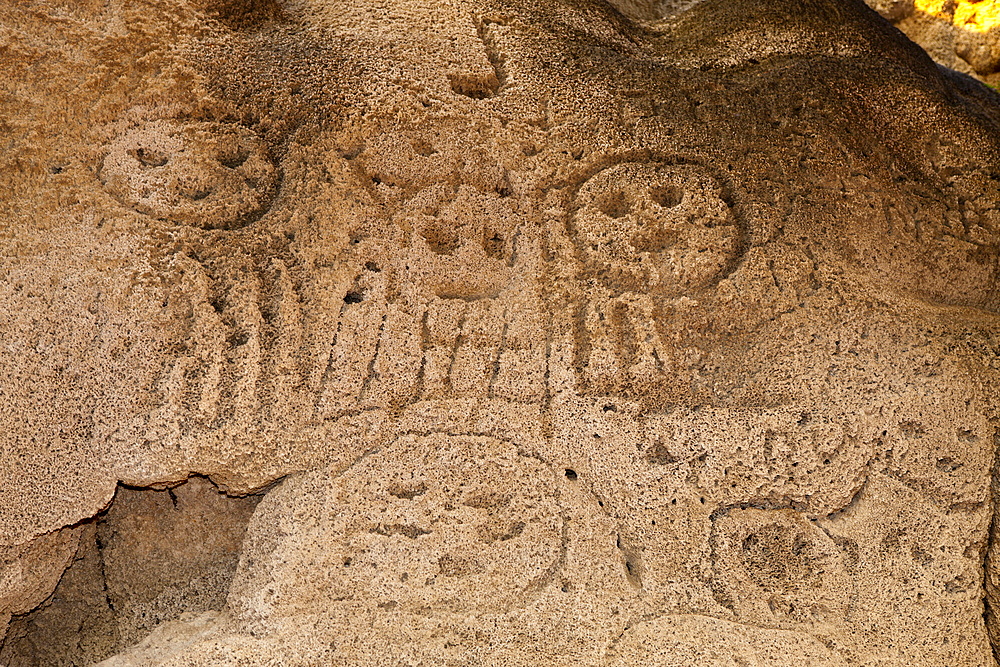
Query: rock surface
x=961 y=34
x=551 y=334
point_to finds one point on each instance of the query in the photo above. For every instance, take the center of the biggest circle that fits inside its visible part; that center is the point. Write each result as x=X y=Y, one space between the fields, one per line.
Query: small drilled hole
x=571 y=475
x=354 y=296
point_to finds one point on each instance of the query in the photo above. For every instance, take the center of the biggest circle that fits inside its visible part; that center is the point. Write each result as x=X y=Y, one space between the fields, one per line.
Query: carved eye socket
x=666 y=196
x=441 y=238
x=234 y=160
x=148 y=157
x=613 y=204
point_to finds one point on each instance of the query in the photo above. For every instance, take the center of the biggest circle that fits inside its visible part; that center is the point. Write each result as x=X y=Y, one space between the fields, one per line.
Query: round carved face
x=663 y=228
x=209 y=175
x=429 y=524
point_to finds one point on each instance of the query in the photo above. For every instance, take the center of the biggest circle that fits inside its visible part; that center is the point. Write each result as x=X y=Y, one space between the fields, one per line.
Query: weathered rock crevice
x=991 y=564
x=150 y=557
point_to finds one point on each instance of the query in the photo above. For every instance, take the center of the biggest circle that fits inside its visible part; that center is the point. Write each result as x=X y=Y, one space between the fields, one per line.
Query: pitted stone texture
x=651 y=228
x=808 y=334
x=774 y=568
x=168 y=552
x=914 y=546
x=29 y=572
x=679 y=641
x=963 y=35
x=452 y=536
x=433 y=524
x=154 y=556
x=209 y=175
x=75 y=625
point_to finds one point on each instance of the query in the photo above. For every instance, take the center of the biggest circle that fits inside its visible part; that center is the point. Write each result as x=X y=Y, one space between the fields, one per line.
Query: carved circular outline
x=728 y=195
x=204 y=174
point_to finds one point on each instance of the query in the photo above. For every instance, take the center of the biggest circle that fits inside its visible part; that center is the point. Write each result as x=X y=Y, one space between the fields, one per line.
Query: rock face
x=961 y=34
x=551 y=333
x=154 y=556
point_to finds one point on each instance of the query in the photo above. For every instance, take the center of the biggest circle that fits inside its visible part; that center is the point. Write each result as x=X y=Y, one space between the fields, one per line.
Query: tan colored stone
x=556 y=335
x=30 y=571
x=169 y=552
x=75 y=625
x=675 y=641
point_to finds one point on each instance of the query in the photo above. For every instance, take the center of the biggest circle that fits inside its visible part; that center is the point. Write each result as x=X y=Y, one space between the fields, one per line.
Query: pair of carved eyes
x=643 y=223
x=232 y=157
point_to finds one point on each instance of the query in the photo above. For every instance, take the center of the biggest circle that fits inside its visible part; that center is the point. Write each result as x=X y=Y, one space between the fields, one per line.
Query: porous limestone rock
x=961 y=34
x=553 y=333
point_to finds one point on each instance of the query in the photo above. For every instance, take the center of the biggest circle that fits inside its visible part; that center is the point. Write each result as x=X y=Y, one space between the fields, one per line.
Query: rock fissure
x=152 y=556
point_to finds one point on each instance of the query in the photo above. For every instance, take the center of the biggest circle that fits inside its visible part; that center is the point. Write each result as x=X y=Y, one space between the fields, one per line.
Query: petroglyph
x=650 y=235
x=661 y=229
x=773 y=568
x=559 y=337
x=204 y=174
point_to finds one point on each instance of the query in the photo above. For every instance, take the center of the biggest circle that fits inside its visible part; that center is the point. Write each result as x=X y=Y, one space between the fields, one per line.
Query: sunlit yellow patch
x=935 y=7
x=979 y=16
x=976 y=16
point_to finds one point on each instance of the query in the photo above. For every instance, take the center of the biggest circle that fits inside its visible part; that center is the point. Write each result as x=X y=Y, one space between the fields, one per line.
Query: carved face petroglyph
x=664 y=229
x=208 y=175
x=571 y=340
